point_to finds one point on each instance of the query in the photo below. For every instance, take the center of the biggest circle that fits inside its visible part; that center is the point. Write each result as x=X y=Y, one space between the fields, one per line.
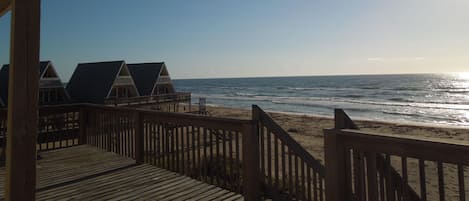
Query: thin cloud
x=395 y=59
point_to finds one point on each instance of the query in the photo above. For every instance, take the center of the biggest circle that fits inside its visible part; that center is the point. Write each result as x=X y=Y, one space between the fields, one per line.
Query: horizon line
x=317 y=75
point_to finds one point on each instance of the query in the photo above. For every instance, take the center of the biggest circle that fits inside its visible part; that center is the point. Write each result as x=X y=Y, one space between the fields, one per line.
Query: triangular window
x=124 y=72
x=164 y=72
x=50 y=73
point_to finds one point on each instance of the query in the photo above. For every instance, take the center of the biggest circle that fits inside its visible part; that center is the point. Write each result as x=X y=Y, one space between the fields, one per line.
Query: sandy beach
x=308 y=131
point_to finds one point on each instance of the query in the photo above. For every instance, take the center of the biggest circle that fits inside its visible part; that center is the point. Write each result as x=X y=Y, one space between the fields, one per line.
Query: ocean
x=441 y=99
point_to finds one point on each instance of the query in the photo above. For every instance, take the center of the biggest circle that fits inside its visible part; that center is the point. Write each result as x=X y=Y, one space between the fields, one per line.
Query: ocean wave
x=401 y=100
x=413 y=104
x=407 y=89
x=339 y=101
x=425 y=116
x=353 y=96
x=453 y=91
x=245 y=94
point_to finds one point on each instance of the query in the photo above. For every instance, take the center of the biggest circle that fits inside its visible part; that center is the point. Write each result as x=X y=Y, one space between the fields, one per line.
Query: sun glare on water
x=463 y=75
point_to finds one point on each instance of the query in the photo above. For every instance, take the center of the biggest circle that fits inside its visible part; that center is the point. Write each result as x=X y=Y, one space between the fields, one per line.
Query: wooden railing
x=111 y=129
x=254 y=157
x=218 y=151
x=155 y=99
x=58 y=127
x=371 y=166
x=208 y=149
x=288 y=171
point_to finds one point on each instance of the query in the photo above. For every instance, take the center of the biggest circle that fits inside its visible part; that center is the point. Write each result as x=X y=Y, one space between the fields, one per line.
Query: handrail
x=295 y=146
x=348 y=151
x=294 y=174
x=433 y=150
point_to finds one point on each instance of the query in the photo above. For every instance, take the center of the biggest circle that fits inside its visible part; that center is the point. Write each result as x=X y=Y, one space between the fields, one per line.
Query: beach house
x=96 y=82
x=151 y=78
x=156 y=89
x=51 y=89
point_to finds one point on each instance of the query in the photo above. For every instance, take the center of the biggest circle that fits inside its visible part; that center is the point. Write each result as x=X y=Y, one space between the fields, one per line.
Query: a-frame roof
x=92 y=82
x=42 y=67
x=4 y=73
x=145 y=75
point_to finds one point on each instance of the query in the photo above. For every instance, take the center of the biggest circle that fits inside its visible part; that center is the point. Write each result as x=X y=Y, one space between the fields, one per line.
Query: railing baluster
x=382 y=195
x=390 y=192
x=276 y=170
x=441 y=181
x=315 y=186
x=262 y=155
x=238 y=167
x=290 y=175
x=176 y=148
x=194 y=167
x=372 y=176
x=284 y=170
x=297 y=179
x=162 y=144
x=214 y=162
x=199 y=160
x=303 y=182
x=462 y=190
x=231 y=159
x=359 y=176
x=224 y=157
x=308 y=181
x=205 y=158
x=405 y=190
x=269 y=159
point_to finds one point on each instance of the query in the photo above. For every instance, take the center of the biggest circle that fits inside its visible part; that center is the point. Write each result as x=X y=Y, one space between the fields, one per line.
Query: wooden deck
x=87 y=173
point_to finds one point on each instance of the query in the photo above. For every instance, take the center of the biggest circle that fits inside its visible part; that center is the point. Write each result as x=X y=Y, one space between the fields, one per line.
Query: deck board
x=87 y=173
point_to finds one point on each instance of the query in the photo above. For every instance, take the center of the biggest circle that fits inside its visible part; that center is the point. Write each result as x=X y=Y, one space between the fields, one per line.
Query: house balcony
x=150 y=100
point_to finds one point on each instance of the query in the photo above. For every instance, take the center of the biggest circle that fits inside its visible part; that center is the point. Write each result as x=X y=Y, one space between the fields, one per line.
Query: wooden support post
x=139 y=138
x=251 y=168
x=334 y=154
x=83 y=126
x=343 y=121
x=23 y=100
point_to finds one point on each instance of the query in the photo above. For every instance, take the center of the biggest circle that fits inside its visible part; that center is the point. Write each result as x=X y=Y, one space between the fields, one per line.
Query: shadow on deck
x=87 y=173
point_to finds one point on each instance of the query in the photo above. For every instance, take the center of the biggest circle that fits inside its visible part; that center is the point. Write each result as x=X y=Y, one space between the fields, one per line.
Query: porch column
x=23 y=100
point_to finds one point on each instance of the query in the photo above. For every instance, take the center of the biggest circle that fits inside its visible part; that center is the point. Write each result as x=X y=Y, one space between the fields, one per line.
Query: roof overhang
x=5 y=6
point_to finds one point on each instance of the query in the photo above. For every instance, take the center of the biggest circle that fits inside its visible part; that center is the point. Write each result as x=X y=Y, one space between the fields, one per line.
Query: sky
x=221 y=38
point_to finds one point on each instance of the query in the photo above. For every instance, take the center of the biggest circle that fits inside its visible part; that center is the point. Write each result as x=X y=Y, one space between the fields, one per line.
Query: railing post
x=335 y=158
x=342 y=120
x=139 y=150
x=83 y=126
x=334 y=154
x=251 y=169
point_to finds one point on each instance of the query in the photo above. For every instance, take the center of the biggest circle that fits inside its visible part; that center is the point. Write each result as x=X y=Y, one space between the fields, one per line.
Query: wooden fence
x=370 y=166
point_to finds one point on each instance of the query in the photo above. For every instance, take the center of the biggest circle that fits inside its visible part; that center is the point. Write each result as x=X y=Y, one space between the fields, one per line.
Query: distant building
x=97 y=82
x=151 y=78
x=51 y=89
